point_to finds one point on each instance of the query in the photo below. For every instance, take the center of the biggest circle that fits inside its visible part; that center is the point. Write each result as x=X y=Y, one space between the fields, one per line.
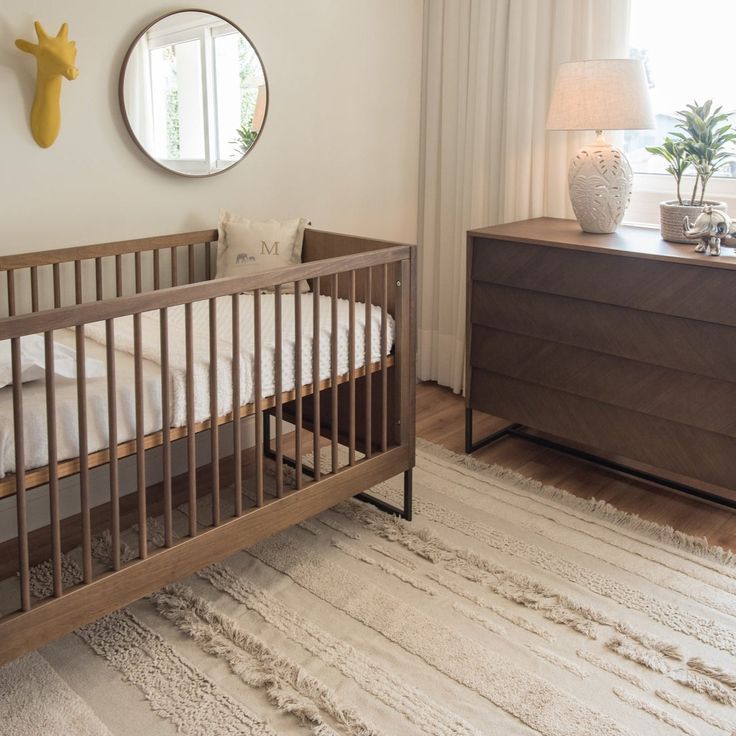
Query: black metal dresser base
x=520 y=432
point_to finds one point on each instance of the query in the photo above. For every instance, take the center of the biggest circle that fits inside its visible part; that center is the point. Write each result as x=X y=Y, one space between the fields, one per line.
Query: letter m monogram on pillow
x=267 y=250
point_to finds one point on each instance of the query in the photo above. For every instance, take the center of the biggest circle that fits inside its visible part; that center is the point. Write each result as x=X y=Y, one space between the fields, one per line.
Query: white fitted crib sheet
x=34 y=394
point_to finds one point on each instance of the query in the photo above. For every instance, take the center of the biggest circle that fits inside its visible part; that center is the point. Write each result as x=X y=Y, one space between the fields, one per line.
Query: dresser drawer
x=616 y=430
x=692 y=291
x=706 y=349
x=660 y=392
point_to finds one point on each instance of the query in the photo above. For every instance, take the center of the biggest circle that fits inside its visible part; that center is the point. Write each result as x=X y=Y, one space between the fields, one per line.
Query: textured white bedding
x=34 y=400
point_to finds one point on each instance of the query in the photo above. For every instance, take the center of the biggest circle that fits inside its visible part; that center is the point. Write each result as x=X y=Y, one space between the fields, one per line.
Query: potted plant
x=701 y=143
x=245 y=139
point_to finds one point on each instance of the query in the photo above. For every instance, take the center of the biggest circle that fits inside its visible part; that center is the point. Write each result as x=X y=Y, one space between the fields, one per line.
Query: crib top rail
x=103 y=250
x=65 y=317
x=326 y=243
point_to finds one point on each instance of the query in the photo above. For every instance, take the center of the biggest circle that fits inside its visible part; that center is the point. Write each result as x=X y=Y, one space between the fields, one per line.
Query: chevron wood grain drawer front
x=622 y=343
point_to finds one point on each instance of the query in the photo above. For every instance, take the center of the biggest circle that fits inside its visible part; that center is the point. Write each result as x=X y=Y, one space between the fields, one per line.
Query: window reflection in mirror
x=193 y=93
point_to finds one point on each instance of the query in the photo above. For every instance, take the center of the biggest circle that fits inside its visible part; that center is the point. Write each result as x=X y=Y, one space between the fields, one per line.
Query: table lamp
x=600 y=94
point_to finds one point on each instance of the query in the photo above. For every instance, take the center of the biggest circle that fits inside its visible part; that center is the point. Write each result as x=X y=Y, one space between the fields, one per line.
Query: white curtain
x=489 y=66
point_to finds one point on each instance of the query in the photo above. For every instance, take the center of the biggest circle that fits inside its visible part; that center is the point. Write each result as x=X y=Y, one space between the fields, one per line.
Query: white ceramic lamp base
x=600 y=180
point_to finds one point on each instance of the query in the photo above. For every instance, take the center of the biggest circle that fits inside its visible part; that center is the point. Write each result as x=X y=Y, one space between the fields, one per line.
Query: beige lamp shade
x=601 y=94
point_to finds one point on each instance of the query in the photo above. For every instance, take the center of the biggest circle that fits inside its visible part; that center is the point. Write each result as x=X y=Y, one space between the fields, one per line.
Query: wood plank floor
x=440 y=419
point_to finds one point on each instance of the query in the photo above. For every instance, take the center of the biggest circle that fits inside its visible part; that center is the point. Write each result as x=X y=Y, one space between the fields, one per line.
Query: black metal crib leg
x=406 y=512
x=408 y=494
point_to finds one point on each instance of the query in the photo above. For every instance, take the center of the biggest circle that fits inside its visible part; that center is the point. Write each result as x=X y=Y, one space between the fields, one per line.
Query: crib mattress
x=34 y=394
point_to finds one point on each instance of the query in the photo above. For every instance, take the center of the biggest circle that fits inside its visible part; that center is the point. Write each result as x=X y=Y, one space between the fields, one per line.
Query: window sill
x=651 y=189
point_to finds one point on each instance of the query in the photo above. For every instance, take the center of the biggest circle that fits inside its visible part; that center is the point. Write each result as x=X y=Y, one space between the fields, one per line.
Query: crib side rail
x=55 y=278
x=87 y=313
x=101 y=250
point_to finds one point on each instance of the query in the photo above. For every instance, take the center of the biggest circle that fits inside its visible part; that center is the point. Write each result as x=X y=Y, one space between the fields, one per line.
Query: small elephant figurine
x=710 y=227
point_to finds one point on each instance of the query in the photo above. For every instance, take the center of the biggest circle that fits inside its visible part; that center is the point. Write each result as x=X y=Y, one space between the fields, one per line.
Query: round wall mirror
x=193 y=93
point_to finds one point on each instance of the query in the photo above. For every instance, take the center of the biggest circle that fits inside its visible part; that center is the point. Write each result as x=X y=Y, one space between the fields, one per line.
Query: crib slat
x=166 y=426
x=10 y=276
x=174 y=257
x=48 y=344
x=82 y=432
x=140 y=448
x=112 y=414
x=20 y=478
x=278 y=374
x=257 y=395
x=208 y=261
x=190 y=263
x=351 y=369
x=156 y=269
x=191 y=437
x=237 y=456
x=384 y=363
x=119 y=274
x=55 y=268
x=78 y=296
x=315 y=379
x=98 y=279
x=214 y=431
x=83 y=455
x=138 y=273
x=334 y=420
x=298 y=382
x=34 y=288
x=368 y=355
x=18 y=429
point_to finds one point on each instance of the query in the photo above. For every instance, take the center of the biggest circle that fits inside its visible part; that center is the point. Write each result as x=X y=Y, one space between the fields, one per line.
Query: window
x=685 y=60
x=205 y=82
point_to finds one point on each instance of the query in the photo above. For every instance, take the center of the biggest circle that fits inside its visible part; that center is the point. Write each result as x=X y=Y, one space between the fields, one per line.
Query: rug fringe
x=655 y=661
x=383 y=684
x=287 y=685
x=716 y=673
x=698 y=546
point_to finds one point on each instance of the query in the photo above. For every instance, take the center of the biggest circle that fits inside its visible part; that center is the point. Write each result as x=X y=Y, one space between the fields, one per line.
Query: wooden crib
x=358 y=424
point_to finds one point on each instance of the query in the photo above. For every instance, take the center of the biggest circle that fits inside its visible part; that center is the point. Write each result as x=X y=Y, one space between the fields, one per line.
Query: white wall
x=340 y=145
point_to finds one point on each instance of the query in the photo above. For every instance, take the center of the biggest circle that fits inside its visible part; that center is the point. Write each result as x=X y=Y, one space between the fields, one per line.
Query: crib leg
x=408 y=493
x=406 y=512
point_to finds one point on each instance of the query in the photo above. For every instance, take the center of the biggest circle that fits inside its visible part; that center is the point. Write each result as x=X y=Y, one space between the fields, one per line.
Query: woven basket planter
x=672 y=215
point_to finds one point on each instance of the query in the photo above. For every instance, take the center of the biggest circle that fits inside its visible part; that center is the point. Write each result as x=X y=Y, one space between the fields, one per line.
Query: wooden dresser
x=622 y=343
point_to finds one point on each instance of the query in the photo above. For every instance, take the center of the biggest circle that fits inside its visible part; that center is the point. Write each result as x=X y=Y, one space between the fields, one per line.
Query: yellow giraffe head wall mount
x=55 y=56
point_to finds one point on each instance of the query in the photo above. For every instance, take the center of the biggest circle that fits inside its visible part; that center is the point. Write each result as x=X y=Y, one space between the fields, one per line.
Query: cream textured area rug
x=503 y=608
x=36 y=700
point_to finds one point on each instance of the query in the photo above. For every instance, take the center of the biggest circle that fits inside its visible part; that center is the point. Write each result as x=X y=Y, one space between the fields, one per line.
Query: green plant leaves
x=702 y=139
x=674 y=153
